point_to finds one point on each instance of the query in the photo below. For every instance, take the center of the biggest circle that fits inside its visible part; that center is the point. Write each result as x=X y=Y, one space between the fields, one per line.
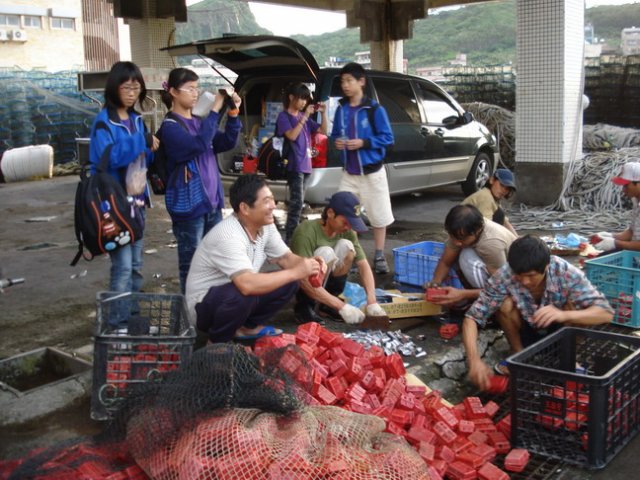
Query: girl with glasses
x=192 y=142
x=119 y=133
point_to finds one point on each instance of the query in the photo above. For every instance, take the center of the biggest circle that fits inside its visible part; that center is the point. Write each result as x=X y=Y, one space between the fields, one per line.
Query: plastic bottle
x=204 y=104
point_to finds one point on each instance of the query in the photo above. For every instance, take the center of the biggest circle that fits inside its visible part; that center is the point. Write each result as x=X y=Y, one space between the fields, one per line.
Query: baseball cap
x=505 y=177
x=630 y=173
x=348 y=205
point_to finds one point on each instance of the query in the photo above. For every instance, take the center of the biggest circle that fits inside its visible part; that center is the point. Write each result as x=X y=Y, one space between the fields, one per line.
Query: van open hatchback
x=436 y=141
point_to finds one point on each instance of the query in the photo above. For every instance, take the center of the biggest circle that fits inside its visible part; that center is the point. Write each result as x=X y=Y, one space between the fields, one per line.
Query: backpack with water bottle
x=105 y=218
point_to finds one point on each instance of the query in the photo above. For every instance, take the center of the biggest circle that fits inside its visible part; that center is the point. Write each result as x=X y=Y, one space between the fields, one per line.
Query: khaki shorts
x=373 y=191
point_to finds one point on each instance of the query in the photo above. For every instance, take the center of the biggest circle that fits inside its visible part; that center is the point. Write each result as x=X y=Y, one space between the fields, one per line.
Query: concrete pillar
x=550 y=45
x=385 y=24
x=147 y=36
x=387 y=55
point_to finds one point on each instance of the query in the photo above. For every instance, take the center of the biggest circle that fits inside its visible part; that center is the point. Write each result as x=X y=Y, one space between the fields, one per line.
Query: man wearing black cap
x=333 y=237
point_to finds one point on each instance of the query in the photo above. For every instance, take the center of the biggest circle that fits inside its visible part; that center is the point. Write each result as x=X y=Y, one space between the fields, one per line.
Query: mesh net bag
x=316 y=443
x=229 y=414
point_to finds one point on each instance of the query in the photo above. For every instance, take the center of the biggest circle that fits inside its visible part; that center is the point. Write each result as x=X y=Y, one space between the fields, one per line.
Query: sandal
x=501 y=368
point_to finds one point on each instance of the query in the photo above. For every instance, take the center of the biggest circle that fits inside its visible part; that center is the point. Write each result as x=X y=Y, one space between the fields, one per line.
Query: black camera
x=228 y=100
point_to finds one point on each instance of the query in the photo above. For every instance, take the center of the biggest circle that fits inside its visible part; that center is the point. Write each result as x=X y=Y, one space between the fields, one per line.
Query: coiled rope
x=589 y=200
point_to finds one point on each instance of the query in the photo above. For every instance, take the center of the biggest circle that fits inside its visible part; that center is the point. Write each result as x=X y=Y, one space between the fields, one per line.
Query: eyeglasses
x=130 y=88
x=190 y=90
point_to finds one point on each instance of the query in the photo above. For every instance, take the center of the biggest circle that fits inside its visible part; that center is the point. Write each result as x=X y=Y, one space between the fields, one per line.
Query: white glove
x=604 y=235
x=606 y=244
x=351 y=314
x=375 y=310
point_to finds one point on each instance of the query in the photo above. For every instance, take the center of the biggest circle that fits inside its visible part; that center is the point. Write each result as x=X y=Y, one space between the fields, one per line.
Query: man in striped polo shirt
x=228 y=293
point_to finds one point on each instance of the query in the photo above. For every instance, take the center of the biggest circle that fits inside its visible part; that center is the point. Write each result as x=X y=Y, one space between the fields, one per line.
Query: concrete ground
x=56 y=304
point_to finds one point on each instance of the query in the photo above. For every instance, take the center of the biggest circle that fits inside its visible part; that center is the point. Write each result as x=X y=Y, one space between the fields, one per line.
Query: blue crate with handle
x=414 y=264
x=617 y=276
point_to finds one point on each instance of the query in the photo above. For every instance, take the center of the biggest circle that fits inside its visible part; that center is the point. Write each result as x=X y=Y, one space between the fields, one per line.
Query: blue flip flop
x=267 y=331
x=501 y=368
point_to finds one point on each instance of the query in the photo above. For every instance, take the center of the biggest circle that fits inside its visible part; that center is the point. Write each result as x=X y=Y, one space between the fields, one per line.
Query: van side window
x=435 y=106
x=398 y=99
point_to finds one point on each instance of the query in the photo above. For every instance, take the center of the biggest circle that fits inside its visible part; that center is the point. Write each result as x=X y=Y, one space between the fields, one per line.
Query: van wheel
x=479 y=174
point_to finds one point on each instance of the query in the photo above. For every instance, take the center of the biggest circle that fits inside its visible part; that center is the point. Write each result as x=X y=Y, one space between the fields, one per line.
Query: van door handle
x=439 y=132
x=424 y=131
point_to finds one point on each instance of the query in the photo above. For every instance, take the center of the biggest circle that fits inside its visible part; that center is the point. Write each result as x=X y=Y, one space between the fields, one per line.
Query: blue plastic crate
x=414 y=264
x=618 y=277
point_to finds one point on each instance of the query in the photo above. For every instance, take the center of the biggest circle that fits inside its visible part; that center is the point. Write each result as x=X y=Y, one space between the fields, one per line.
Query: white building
x=630 y=41
x=45 y=34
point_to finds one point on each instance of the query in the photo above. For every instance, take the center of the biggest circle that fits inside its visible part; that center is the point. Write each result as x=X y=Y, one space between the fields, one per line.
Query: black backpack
x=158 y=171
x=271 y=162
x=105 y=217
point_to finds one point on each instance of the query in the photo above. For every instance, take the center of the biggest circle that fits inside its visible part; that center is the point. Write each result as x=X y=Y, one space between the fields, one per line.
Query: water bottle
x=204 y=104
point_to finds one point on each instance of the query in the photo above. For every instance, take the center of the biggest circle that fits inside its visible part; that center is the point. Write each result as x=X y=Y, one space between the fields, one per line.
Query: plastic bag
x=355 y=294
x=136 y=178
x=572 y=240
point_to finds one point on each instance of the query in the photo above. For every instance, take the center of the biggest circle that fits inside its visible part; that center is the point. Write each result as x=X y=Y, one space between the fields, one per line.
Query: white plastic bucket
x=27 y=162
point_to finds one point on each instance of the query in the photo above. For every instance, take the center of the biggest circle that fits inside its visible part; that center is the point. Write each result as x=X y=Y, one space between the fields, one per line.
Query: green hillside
x=486 y=32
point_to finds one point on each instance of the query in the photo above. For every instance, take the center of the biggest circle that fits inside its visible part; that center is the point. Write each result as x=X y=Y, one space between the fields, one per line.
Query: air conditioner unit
x=3 y=36
x=19 y=35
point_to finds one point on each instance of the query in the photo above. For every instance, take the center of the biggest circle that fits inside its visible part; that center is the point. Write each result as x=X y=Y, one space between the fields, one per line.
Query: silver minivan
x=436 y=141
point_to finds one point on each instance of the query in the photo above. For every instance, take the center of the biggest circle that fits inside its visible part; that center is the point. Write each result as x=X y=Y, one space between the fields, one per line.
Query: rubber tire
x=478 y=175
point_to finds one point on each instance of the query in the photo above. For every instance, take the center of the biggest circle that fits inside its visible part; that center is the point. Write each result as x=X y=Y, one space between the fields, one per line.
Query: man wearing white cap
x=629 y=239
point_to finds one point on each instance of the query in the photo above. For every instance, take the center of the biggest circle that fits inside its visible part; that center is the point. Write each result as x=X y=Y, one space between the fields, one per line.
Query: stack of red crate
x=456 y=441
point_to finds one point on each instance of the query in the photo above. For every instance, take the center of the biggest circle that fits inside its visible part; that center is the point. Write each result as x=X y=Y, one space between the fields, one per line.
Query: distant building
x=434 y=73
x=54 y=35
x=100 y=35
x=212 y=72
x=336 y=62
x=363 y=58
x=460 y=60
x=592 y=50
x=437 y=73
x=630 y=41
x=589 y=33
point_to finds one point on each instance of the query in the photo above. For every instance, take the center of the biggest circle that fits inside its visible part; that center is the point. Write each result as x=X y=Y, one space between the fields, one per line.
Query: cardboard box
x=402 y=305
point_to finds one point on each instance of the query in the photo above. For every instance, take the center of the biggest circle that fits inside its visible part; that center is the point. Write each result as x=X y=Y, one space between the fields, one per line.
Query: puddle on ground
x=38 y=246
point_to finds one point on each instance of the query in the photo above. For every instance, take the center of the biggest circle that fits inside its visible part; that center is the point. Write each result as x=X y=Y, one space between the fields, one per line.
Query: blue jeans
x=297 y=183
x=126 y=268
x=189 y=233
x=126 y=276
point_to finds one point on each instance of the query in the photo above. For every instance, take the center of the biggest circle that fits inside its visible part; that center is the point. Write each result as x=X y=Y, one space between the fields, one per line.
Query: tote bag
x=186 y=197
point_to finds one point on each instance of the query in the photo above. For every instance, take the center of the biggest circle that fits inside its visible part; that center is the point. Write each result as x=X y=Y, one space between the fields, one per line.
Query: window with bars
x=63 y=23
x=13 y=20
x=32 y=21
